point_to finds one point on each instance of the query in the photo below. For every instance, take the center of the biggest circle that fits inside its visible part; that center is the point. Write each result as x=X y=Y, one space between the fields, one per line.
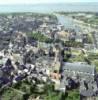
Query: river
x=68 y=22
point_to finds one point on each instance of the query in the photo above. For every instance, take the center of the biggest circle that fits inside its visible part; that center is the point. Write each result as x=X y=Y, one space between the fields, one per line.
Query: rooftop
x=87 y=93
x=79 y=67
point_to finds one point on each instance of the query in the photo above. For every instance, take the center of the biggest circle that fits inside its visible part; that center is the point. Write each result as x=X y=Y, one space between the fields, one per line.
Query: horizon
x=34 y=2
x=50 y=7
x=91 y=3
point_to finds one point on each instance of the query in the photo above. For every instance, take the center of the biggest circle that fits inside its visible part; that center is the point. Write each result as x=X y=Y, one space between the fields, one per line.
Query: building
x=79 y=72
x=82 y=69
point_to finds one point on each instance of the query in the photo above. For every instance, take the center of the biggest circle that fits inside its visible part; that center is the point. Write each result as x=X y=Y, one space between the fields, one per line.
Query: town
x=41 y=58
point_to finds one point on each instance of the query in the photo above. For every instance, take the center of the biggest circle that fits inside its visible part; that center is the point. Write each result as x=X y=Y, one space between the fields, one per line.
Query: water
x=65 y=21
x=43 y=8
x=68 y=22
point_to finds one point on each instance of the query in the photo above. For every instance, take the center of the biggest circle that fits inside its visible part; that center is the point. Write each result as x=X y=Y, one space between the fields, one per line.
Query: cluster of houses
x=22 y=61
x=12 y=24
x=42 y=62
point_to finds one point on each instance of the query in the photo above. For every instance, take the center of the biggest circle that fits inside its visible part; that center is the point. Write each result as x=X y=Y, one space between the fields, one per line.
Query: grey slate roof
x=1 y=73
x=79 y=67
x=87 y=93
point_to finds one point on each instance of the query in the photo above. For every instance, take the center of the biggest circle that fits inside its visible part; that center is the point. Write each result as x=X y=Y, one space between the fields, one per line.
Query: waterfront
x=68 y=22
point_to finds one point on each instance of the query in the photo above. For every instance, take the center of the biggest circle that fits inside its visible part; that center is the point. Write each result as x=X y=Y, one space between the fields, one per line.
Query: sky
x=2 y=2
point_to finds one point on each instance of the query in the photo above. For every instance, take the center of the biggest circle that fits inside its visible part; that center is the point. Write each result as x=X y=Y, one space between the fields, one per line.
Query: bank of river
x=68 y=22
